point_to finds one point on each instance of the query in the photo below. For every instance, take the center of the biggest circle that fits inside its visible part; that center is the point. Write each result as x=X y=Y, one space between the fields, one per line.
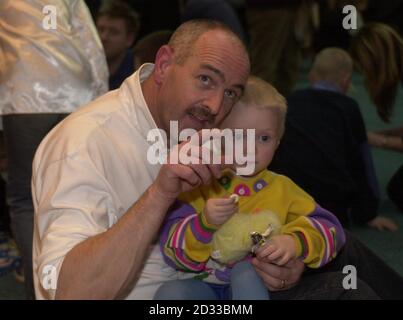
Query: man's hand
x=278 y=250
x=175 y=178
x=382 y=223
x=219 y=210
x=276 y=277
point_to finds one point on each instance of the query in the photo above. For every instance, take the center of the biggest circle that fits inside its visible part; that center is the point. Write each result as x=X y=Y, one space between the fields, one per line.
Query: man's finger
x=271 y=282
x=203 y=172
x=215 y=170
x=187 y=174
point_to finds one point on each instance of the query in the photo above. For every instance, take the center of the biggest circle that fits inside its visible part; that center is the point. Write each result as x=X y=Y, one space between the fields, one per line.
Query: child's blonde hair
x=259 y=93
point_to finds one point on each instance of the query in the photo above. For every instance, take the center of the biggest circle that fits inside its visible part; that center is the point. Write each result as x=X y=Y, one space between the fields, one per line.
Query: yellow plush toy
x=232 y=241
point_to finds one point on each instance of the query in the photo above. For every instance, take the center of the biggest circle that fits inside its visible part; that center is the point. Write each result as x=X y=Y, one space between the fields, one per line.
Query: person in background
x=118 y=25
x=274 y=48
x=46 y=73
x=6 y=261
x=219 y=10
x=146 y=48
x=377 y=51
x=326 y=132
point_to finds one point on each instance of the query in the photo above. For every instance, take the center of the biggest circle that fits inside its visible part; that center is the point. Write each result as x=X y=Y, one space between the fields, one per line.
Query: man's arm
x=105 y=266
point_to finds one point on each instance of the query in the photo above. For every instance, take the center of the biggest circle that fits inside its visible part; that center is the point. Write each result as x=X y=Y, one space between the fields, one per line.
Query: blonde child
x=205 y=227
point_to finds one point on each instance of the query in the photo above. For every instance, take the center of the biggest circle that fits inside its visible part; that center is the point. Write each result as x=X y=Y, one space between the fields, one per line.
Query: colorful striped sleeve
x=186 y=237
x=319 y=236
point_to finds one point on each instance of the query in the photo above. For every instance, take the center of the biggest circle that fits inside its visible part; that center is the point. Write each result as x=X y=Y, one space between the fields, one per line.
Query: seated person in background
x=391 y=140
x=325 y=148
x=208 y=232
x=147 y=47
x=118 y=26
x=378 y=53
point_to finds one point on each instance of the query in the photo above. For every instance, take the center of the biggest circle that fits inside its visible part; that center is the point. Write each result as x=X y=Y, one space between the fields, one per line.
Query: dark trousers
x=4 y=215
x=395 y=188
x=23 y=134
x=376 y=280
x=274 y=50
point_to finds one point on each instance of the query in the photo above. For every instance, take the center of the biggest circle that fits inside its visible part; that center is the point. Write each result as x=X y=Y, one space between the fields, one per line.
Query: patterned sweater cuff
x=205 y=225
x=301 y=244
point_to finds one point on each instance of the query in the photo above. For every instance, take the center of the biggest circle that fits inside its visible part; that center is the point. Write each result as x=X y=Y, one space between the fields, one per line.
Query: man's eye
x=264 y=138
x=230 y=94
x=204 y=79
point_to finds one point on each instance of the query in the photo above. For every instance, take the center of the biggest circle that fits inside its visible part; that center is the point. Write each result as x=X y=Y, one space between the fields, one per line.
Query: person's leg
x=325 y=286
x=4 y=212
x=190 y=289
x=246 y=283
x=271 y=30
x=384 y=281
x=395 y=188
x=23 y=134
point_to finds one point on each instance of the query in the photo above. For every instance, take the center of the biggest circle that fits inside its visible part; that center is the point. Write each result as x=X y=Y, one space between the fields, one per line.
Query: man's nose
x=214 y=103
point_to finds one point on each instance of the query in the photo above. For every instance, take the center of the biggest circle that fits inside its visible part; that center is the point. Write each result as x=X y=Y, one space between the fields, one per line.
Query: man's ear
x=163 y=60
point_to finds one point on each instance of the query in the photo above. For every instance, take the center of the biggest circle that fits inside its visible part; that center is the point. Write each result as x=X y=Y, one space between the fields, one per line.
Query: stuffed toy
x=235 y=238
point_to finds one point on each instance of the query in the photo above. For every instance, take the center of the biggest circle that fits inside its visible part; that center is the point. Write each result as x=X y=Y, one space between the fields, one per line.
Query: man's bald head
x=185 y=37
x=332 y=65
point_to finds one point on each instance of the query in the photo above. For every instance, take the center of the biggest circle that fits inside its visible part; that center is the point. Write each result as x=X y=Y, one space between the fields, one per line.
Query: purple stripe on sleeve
x=328 y=220
x=199 y=232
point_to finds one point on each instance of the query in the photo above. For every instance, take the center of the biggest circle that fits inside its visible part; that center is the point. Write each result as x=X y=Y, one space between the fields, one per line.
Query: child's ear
x=163 y=60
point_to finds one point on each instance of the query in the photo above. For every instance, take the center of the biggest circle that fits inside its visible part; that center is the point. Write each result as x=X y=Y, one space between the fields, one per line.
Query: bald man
x=326 y=133
x=99 y=201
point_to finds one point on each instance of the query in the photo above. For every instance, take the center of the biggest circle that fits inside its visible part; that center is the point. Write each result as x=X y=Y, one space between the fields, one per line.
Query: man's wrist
x=160 y=197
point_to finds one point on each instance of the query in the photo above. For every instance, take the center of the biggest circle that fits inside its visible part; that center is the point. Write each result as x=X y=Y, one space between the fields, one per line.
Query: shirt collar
x=325 y=85
x=132 y=98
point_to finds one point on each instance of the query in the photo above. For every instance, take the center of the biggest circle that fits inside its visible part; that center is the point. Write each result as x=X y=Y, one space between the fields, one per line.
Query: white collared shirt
x=87 y=173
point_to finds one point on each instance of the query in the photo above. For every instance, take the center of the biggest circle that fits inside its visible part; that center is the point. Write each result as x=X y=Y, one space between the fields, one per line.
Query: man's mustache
x=202 y=113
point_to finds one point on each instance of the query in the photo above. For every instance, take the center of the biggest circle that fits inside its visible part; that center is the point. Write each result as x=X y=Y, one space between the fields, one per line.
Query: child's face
x=265 y=121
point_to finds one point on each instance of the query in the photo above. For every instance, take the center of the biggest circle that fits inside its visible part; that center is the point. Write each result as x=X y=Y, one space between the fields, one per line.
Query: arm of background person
x=386 y=141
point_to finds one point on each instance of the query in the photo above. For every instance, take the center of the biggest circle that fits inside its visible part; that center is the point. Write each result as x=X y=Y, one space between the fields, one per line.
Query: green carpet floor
x=388 y=245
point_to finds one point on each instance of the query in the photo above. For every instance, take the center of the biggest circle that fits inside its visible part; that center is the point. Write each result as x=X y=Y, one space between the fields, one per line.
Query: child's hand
x=278 y=250
x=219 y=210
